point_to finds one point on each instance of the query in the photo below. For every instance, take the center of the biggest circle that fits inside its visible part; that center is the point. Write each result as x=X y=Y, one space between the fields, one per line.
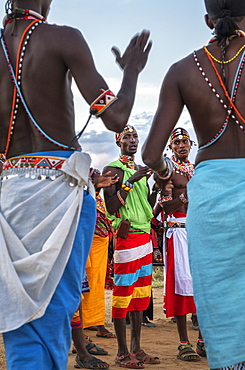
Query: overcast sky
x=177 y=28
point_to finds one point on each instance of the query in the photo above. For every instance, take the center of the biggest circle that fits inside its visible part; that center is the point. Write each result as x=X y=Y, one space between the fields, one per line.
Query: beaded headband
x=179 y=133
x=127 y=128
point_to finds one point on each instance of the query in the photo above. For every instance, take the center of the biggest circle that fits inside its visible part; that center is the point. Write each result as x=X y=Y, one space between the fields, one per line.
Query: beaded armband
x=183 y=198
x=120 y=198
x=166 y=174
x=127 y=186
x=164 y=199
x=100 y=104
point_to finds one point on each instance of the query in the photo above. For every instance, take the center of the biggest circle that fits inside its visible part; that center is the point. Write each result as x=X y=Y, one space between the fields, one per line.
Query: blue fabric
x=215 y=228
x=131 y=278
x=43 y=344
x=55 y=153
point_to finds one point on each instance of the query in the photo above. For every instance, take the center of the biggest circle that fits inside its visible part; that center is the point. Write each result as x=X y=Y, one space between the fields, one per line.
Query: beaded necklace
x=225 y=61
x=231 y=99
x=26 y=14
x=183 y=168
x=129 y=161
x=237 y=33
x=17 y=94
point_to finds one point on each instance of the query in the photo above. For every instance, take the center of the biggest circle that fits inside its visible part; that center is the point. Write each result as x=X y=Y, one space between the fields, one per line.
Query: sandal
x=200 y=349
x=106 y=335
x=187 y=353
x=132 y=363
x=94 y=363
x=93 y=349
x=145 y=358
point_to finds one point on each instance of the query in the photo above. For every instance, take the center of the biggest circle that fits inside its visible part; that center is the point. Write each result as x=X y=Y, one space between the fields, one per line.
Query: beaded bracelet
x=164 y=199
x=183 y=198
x=155 y=189
x=126 y=188
x=100 y=104
x=167 y=173
x=121 y=200
x=127 y=183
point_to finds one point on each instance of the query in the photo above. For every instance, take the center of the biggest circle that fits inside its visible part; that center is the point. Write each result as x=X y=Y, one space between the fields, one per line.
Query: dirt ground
x=161 y=341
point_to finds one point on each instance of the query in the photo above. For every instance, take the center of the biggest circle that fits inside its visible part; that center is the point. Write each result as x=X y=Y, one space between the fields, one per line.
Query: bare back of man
x=211 y=84
x=184 y=84
x=52 y=55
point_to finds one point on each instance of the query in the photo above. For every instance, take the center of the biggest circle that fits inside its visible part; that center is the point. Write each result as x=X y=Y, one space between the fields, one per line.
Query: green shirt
x=137 y=209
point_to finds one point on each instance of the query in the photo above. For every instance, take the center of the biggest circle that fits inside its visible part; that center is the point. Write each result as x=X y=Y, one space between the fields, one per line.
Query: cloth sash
x=183 y=279
x=38 y=222
x=216 y=239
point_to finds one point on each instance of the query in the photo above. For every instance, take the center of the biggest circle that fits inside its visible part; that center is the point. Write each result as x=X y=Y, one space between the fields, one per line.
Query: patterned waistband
x=34 y=167
x=176 y=224
x=50 y=162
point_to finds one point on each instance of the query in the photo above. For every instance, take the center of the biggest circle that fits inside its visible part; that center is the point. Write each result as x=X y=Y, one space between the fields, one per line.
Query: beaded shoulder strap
x=231 y=99
x=17 y=94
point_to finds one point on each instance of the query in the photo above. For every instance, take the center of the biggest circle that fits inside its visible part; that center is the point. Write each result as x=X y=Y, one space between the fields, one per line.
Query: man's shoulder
x=64 y=31
x=115 y=163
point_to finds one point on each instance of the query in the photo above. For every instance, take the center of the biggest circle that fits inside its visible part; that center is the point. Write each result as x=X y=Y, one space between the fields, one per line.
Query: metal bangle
x=167 y=173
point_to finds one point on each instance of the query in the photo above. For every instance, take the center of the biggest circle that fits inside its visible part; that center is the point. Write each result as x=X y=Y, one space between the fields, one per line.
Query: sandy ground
x=161 y=341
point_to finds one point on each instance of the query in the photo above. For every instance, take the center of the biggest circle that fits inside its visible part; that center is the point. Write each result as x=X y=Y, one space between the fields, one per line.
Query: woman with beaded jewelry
x=211 y=84
x=47 y=218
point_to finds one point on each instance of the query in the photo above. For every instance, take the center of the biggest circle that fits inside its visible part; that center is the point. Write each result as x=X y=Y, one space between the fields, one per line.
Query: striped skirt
x=132 y=274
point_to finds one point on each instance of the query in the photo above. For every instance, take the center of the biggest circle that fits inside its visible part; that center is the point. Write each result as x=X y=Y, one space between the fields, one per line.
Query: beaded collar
x=237 y=33
x=129 y=161
x=183 y=168
x=26 y=14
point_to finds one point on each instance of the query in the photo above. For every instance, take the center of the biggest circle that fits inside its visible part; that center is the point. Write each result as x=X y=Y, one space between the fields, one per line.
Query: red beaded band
x=101 y=103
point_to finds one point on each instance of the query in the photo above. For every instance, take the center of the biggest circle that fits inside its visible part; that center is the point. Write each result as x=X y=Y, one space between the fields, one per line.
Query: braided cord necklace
x=17 y=94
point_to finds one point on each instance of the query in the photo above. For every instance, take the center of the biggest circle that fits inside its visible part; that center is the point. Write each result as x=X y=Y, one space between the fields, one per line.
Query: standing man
x=130 y=209
x=211 y=83
x=178 y=289
x=47 y=218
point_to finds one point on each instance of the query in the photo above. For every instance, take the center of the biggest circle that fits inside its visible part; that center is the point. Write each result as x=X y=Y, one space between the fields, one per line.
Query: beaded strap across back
x=231 y=98
x=17 y=93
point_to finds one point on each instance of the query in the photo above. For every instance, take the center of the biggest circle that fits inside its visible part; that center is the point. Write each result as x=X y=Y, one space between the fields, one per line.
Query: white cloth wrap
x=183 y=279
x=38 y=222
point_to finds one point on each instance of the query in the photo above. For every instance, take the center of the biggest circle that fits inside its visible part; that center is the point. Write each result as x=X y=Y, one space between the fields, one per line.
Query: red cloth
x=132 y=279
x=175 y=304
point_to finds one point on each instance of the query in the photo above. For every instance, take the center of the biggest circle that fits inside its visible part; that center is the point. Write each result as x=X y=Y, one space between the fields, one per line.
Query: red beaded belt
x=54 y=163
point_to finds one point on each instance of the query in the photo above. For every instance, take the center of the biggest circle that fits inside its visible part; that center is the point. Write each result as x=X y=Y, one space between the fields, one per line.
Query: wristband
x=127 y=183
x=183 y=198
x=155 y=190
x=122 y=201
x=167 y=173
x=126 y=188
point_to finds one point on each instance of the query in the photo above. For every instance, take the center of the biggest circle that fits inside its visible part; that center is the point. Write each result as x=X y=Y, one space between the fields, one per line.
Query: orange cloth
x=93 y=302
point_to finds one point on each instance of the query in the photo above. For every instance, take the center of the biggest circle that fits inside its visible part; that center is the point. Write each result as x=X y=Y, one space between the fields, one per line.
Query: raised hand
x=143 y=171
x=104 y=181
x=136 y=54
